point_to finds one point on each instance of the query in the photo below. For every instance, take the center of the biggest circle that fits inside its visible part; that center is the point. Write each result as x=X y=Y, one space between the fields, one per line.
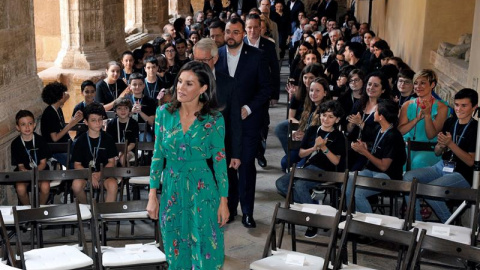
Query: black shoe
x=262 y=162
x=311 y=232
x=248 y=221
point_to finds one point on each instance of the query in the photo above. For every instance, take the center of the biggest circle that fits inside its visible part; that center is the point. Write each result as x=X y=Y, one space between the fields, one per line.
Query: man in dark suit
x=253 y=38
x=242 y=6
x=328 y=8
x=206 y=51
x=249 y=67
x=294 y=7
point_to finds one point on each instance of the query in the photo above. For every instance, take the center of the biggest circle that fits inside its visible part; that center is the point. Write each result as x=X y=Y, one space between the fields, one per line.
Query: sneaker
x=311 y=232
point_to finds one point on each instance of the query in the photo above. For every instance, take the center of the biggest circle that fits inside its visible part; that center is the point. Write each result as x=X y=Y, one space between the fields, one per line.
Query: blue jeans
x=361 y=194
x=301 y=188
x=435 y=175
x=281 y=131
x=145 y=137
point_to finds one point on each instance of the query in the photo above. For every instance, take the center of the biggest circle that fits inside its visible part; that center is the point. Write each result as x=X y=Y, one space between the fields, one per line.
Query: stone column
x=154 y=15
x=474 y=65
x=92 y=33
x=179 y=8
x=20 y=86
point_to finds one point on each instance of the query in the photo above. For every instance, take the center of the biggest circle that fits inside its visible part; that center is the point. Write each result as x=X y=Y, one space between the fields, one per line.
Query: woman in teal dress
x=193 y=206
x=423 y=117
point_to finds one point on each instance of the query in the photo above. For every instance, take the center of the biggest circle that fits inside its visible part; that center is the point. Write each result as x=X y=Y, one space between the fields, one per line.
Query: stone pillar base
x=90 y=60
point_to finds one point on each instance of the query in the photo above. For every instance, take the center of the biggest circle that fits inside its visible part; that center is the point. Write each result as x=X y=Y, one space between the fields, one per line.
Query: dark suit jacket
x=228 y=100
x=246 y=5
x=252 y=84
x=268 y=49
x=330 y=11
x=297 y=7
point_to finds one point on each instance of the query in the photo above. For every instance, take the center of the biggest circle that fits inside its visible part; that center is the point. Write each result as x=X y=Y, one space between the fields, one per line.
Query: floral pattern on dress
x=190 y=191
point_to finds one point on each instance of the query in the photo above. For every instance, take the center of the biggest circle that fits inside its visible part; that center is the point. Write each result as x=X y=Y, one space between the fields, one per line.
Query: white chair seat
x=7 y=213
x=133 y=215
x=457 y=234
x=56 y=258
x=140 y=180
x=278 y=262
x=121 y=256
x=355 y=267
x=387 y=221
x=321 y=209
x=55 y=183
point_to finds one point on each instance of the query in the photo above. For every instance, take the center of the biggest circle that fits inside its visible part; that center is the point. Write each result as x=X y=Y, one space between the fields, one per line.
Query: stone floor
x=242 y=245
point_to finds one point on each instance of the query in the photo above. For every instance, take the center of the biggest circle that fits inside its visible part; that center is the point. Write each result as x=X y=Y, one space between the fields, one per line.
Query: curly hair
x=205 y=77
x=53 y=92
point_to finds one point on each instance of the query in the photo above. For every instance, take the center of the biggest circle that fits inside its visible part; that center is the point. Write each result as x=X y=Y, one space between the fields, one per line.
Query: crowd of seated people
x=345 y=83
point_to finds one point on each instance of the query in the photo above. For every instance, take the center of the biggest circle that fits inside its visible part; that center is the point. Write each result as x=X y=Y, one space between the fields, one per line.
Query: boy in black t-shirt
x=144 y=107
x=123 y=128
x=456 y=143
x=93 y=148
x=29 y=150
x=386 y=158
x=324 y=148
x=153 y=84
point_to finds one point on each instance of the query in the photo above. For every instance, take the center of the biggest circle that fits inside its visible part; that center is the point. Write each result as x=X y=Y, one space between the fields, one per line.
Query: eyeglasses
x=170 y=51
x=400 y=81
x=205 y=60
x=354 y=80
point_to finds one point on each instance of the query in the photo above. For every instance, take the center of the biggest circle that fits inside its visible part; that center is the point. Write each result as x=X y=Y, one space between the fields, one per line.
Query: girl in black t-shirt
x=112 y=87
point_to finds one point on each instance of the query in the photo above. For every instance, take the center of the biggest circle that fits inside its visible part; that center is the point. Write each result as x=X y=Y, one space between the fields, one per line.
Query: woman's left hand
x=223 y=213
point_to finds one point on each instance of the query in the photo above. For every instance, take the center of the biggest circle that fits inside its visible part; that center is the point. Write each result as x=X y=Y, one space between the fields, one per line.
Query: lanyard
x=377 y=140
x=135 y=101
x=33 y=162
x=95 y=151
x=60 y=117
x=151 y=93
x=110 y=91
x=457 y=142
x=126 y=77
x=124 y=131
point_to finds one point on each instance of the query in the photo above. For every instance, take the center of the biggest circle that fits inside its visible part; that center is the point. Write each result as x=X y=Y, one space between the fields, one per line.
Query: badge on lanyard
x=449 y=166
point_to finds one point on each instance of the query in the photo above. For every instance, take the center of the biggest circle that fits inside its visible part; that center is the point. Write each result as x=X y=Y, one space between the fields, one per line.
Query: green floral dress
x=190 y=195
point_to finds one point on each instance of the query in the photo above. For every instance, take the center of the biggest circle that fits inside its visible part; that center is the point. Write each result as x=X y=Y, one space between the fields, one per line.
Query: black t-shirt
x=53 y=122
x=107 y=93
x=149 y=106
x=151 y=90
x=125 y=75
x=37 y=152
x=391 y=146
x=129 y=132
x=82 y=151
x=369 y=129
x=298 y=106
x=467 y=143
x=335 y=144
x=347 y=100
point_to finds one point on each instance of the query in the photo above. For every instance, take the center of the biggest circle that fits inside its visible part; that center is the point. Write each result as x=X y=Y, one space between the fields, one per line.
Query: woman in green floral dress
x=193 y=206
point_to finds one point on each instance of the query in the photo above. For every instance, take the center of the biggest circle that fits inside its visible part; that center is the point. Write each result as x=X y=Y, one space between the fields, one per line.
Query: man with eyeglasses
x=249 y=67
x=405 y=87
x=206 y=51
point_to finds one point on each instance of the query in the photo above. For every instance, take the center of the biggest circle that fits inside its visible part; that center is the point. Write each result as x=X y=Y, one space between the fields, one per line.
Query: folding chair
x=320 y=177
x=125 y=173
x=130 y=255
x=64 y=177
x=446 y=248
x=111 y=114
x=457 y=234
x=399 y=237
x=57 y=187
x=56 y=257
x=417 y=146
x=292 y=145
x=400 y=187
x=140 y=181
x=9 y=255
x=279 y=259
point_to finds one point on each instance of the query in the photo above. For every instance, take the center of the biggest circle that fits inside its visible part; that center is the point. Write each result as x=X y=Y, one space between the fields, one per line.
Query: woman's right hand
x=298 y=135
x=153 y=207
x=355 y=119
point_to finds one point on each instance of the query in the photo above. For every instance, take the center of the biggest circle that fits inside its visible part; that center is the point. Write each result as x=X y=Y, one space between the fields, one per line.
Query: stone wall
x=19 y=84
x=47 y=31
